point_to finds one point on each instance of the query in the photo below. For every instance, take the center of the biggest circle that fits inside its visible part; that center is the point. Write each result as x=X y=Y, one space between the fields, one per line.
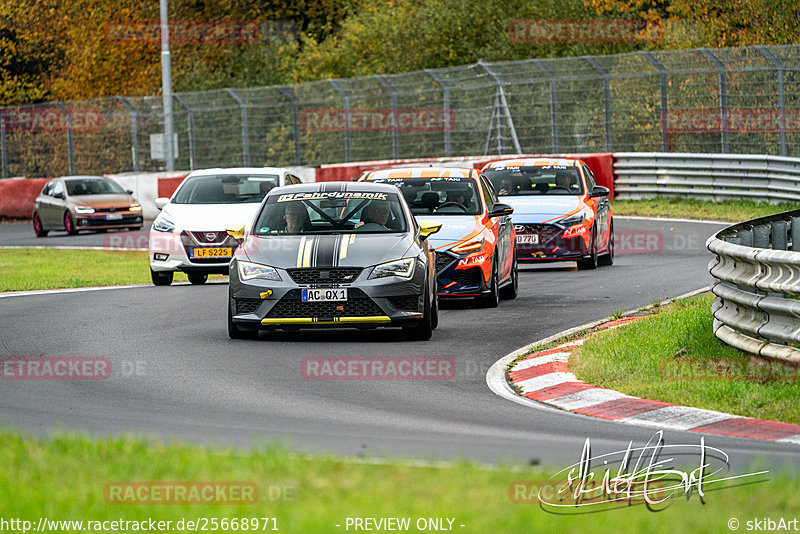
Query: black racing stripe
x=325 y=251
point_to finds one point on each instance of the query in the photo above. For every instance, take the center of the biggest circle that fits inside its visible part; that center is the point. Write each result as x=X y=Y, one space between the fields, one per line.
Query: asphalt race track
x=178 y=377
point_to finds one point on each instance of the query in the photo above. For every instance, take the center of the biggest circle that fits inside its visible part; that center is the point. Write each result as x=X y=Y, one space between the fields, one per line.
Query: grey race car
x=333 y=254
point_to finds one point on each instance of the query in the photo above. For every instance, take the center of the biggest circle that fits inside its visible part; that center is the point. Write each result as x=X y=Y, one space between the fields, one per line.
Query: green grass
x=686 y=208
x=65 y=477
x=28 y=269
x=673 y=356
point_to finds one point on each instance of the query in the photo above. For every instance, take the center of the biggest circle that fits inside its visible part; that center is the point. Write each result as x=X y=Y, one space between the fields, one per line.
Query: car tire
x=38 y=229
x=234 y=332
x=492 y=300
x=161 y=278
x=509 y=291
x=591 y=262
x=69 y=224
x=423 y=330
x=197 y=278
x=435 y=313
x=608 y=258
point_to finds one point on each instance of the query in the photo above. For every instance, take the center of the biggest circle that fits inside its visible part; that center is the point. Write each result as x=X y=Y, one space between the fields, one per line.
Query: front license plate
x=221 y=252
x=114 y=217
x=533 y=239
x=324 y=295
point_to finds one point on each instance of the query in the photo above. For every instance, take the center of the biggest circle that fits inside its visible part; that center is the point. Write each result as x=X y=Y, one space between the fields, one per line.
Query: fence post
x=445 y=107
x=723 y=98
x=70 y=146
x=3 y=151
x=245 y=129
x=346 y=101
x=504 y=103
x=134 y=132
x=781 y=98
x=795 y=234
x=190 y=121
x=395 y=132
x=662 y=79
x=289 y=95
x=553 y=102
x=606 y=97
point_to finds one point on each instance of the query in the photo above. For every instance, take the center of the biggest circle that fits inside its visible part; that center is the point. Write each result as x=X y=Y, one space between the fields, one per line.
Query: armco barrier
x=707 y=176
x=757 y=267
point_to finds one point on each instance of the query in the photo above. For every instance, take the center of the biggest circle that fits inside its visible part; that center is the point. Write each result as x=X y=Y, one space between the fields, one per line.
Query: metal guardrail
x=757 y=272
x=707 y=176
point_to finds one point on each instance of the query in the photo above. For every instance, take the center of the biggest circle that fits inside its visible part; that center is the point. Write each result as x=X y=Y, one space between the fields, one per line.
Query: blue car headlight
x=403 y=268
x=163 y=224
x=249 y=271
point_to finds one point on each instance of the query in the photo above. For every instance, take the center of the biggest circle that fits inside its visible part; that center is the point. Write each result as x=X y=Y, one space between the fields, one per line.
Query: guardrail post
x=662 y=82
x=723 y=98
x=346 y=101
x=289 y=95
x=781 y=97
x=445 y=107
x=504 y=104
x=245 y=129
x=606 y=96
x=70 y=146
x=134 y=133
x=746 y=238
x=796 y=234
x=780 y=234
x=3 y=151
x=761 y=236
x=190 y=120
x=553 y=102
x=393 y=93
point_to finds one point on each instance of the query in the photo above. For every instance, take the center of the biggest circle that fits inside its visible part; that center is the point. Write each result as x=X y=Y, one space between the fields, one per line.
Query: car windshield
x=93 y=186
x=225 y=189
x=536 y=180
x=451 y=195
x=332 y=212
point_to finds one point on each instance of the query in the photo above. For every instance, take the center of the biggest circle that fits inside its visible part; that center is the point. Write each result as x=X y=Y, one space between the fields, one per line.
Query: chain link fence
x=732 y=100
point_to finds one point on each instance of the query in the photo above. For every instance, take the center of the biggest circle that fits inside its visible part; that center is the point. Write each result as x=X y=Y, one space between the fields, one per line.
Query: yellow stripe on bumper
x=336 y=320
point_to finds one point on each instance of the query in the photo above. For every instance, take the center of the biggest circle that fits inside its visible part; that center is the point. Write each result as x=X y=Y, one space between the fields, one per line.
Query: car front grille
x=467 y=277
x=247 y=305
x=408 y=303
x=189 y=243
x=443 y=259
x=358 y=304
x=333 y=275
x=546 y=233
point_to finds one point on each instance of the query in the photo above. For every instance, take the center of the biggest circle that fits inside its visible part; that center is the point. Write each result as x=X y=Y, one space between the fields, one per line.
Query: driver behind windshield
x=377 y=212
x=296 y=217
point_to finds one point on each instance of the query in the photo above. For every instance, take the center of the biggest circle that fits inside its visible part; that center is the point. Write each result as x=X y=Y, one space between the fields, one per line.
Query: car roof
x=83 y=177
x=331 y=187
x=422 y=173
x=533 y=162
x=238 y=170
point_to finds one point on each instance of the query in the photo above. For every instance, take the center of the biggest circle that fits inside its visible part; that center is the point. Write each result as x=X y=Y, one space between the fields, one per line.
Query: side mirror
x=599 y=191
x=129 y=191
x=161 y=202
x=236 y=233
x=59 y=195
x=426 y=229
x=500 y=210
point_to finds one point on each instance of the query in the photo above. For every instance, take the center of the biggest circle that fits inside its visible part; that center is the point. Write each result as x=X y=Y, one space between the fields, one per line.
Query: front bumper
x=100 y=221
x=170 y=251
x=546 y=243
x=268 y=304
x=461 y=276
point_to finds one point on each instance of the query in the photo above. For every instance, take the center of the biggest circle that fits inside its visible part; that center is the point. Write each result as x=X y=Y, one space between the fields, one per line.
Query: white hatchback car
x=189 y=234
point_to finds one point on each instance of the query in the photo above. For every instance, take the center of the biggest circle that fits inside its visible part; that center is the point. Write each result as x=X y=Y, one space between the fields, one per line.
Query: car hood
x=537 y=209
x=326 y=250
x=210 y=217
x=102 y=201
x=454 y=228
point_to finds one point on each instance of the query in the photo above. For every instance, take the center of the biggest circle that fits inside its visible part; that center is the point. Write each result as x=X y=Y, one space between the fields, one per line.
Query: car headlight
x=403 y=268
x=572 y=220
x=473 y=245
x=162 y=224
x=249 y=271
x=84 y=209
x=135 y=207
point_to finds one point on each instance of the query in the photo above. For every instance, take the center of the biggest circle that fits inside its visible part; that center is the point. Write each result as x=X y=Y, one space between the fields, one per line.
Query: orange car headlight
x=473 y=245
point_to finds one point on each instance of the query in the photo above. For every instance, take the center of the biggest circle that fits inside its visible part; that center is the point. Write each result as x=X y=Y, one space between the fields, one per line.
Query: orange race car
x=560 y=213
x=475 y=246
